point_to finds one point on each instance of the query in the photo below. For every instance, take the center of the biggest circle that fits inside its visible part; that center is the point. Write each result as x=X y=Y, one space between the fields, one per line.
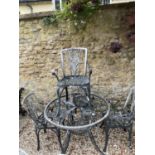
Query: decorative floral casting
x=74 y=61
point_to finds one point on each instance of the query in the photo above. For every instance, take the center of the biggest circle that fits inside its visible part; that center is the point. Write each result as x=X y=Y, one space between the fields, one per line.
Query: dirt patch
x=79 y=145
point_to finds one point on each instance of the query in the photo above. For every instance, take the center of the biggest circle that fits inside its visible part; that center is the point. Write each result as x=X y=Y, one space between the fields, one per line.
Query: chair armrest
x=55 y=73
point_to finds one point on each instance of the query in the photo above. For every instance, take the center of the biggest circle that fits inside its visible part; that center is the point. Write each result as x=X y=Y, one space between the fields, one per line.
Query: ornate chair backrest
x=130 y=101
x=74 y=61
x=30 y=101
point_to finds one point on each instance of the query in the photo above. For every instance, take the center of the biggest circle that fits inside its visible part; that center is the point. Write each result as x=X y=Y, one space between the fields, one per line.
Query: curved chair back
x=30 y=101
x=74 y=61
x=130 y=101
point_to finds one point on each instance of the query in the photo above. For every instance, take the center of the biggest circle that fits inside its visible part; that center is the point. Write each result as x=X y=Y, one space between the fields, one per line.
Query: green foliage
x=50 y=20
x=76 y=11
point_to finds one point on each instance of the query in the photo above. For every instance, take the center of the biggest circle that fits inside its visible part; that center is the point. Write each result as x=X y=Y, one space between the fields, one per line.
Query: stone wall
x=113 y=73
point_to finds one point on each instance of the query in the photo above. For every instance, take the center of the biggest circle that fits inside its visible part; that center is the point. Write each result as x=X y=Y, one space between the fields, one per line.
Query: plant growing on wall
x=115 y=46
x=75 y=11
x=50 y=20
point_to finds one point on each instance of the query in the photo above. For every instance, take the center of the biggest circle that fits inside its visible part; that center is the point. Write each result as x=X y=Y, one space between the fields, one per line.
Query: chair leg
x=38 y=140
x=130 y=134
x=66 y=89
x=106 y=138
x=59 y=100
x=87 y=91
x=45 y=130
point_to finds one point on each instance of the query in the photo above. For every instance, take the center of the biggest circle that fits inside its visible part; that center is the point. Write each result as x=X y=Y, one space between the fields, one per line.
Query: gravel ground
x=79 y=145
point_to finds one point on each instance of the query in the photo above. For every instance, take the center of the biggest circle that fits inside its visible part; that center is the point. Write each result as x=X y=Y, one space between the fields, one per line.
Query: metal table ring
x=77 y=127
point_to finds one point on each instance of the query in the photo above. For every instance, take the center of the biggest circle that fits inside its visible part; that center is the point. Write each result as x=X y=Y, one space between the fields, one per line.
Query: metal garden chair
x=121 y=119
x=30 y=101
x=76 y=72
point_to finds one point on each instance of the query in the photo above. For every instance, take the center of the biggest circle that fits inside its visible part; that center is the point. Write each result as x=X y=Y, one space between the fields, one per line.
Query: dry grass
x=79 y=145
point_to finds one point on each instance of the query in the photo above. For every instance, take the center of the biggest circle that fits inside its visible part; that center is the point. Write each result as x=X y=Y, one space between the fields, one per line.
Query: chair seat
x=118 y=119
x=73 y=81
x=41 y=123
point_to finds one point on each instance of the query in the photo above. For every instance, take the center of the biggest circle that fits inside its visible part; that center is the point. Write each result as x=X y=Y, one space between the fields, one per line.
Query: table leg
x=66 y=140
x=94 y=142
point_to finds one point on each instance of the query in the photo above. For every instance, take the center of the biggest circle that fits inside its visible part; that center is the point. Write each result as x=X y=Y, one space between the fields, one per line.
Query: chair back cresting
x=74 y=61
